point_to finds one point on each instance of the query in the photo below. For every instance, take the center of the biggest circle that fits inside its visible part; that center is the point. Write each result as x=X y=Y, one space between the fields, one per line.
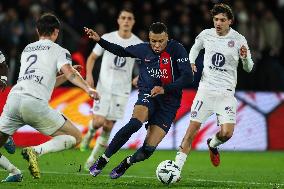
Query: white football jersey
x=40 y=62
x=116 y=72
x=221 y=59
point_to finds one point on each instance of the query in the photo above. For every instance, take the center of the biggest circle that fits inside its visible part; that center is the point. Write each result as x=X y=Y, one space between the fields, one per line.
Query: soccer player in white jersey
x=27 y=102
x=223 y=49
x=114 y=84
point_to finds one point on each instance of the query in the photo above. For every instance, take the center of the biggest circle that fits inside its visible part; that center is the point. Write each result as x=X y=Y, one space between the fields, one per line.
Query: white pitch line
x=189 y=179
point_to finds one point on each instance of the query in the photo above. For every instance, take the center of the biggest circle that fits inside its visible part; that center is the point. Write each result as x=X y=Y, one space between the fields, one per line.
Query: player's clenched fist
x=243 y=51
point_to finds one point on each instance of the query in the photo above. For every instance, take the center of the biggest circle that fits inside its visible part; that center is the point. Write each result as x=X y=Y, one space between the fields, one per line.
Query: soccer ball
x=168 y=172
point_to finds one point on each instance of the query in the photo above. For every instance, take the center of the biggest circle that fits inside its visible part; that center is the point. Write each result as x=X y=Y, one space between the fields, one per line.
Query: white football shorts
x=207 y=102
x=21 y=110
x=110 y=106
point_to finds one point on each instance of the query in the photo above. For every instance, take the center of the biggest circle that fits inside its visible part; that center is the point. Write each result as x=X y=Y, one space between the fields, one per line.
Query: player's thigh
x=226 y=109
x=140 y=112
x=155 y=135
x=202 y=107
x=40 y=116
x=69 y=129
x=164 y=115
x=144 y=106
x=11 y=119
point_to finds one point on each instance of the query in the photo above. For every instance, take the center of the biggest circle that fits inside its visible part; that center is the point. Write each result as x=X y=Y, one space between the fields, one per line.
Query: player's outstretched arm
x=74 y=77
x=92 y=34
x=111 y=47
x=61 y=78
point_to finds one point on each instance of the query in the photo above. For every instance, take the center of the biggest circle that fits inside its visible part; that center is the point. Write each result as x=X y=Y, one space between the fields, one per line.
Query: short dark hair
x=158 y=27
x=47 y=23
x=126 y=10
x=222 y=8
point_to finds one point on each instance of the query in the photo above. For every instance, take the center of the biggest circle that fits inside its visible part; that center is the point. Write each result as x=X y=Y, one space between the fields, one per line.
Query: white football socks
x=6 y=164
x=100 y=146
x=57 y=143
x=180 y=159
x=215 y=142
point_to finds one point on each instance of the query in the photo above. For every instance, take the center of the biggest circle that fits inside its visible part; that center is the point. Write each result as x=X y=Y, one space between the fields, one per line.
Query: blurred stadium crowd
x=258 y=20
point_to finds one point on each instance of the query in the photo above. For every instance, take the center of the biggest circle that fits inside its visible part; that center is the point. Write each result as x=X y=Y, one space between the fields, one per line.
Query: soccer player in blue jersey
x=164 y=72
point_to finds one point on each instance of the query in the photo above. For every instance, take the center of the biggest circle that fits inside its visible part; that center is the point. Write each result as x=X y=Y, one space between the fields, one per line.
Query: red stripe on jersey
x=166 y=68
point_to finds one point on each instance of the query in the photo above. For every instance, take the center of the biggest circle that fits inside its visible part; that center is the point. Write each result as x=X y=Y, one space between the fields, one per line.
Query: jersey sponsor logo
x=119 y=62
x=147 y=60
x=158 y=73
x=218 y=60
x=36 y=78
x=217 y=69
x=182 y=59
x=231 y=43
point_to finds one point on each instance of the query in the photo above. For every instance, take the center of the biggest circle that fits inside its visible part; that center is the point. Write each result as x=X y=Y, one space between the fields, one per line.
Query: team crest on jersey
x=193 y=114
x=165 y=60
x=231 y=43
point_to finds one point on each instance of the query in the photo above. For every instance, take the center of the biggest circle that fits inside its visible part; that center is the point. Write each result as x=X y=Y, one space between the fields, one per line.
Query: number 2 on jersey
x=32 y=59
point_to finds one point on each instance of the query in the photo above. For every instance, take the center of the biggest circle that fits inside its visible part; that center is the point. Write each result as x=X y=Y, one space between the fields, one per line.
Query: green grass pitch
x=64 y=170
